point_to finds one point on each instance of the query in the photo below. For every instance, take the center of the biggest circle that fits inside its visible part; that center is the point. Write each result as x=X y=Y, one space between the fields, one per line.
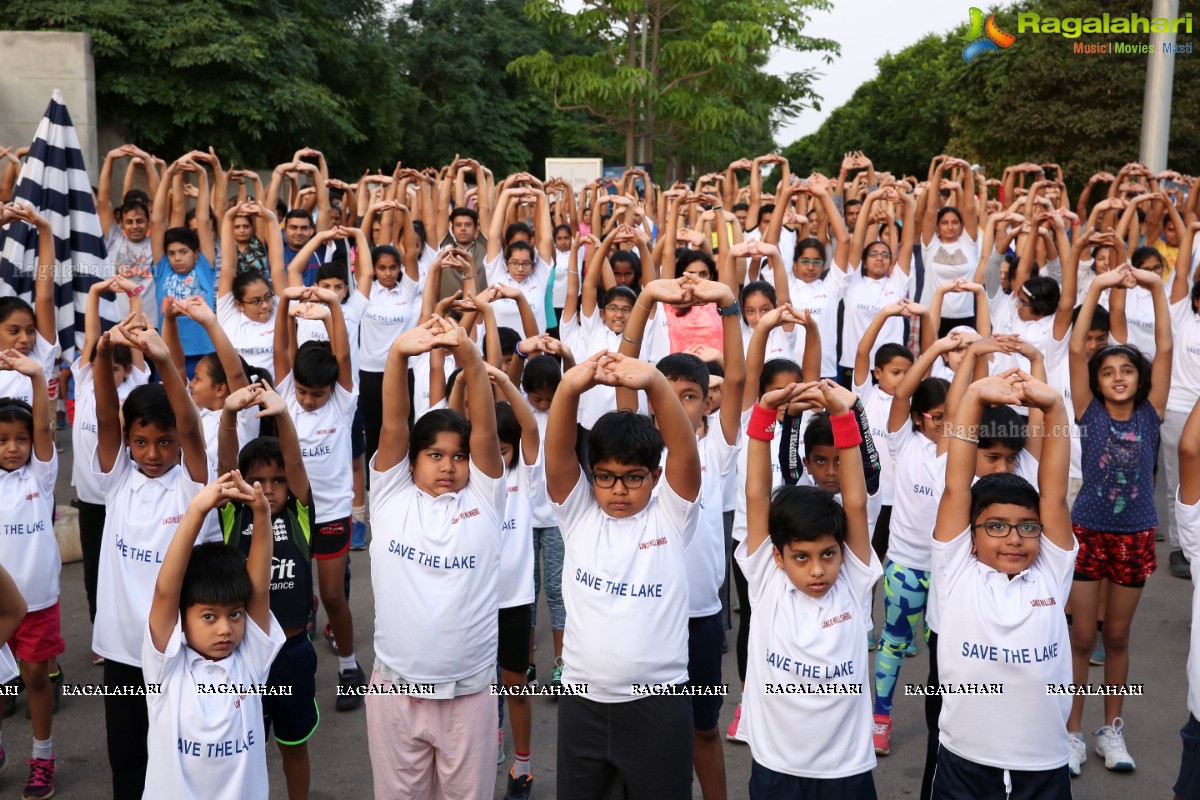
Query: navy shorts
x=295 y=718
x=1188 y=785
x=704 y=668
x=331 y=539
x=956 y=778
x=358 y=433
x=767 y=784
x=513 y=648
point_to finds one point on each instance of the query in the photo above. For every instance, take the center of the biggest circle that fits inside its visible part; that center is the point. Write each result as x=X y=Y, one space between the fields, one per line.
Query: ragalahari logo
x=984 y=37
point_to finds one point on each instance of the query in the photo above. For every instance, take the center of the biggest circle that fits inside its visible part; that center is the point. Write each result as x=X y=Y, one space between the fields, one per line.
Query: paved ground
x=341 y=767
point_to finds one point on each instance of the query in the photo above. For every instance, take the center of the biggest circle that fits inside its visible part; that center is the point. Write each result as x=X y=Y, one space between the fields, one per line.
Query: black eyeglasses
x=999 y=530
x=631 y=481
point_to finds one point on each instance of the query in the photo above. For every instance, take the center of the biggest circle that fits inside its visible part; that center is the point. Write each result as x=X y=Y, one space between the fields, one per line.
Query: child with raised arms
x=30 y=330
x=211 y=628
x=810 y=568
x=1003 y=556
x=438 y=496
x=625 y=585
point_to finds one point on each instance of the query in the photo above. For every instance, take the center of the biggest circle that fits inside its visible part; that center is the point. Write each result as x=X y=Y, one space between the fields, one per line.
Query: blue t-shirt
x=199 y=282
x=1118 y=458
x=310 y=269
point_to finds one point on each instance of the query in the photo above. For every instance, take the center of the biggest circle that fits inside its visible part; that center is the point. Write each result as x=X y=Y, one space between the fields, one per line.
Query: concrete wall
x=32 y=66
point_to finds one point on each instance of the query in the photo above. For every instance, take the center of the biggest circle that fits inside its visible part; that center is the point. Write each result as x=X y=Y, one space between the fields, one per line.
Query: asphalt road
x=341 y=766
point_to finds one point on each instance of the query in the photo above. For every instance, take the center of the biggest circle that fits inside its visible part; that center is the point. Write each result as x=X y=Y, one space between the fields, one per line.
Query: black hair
x=619 y=291
x=386 y=250
x=851 y=202
x=12 y=304
x=297 y=213
x=944 y=210
x=133 y=204
x=419 y=229
x=316 y=366
x=136 y=196
x=509 y=339
x=757 y=287
x=1195 y=295
x=13 y=409
x=122 y=355
x=631 y=258
x=560 y=228
x=521 y=246
x=1139 y=256
x=1001 y=425
x=1099 y=317
x=508 y=431
x=715 y=370
x=890 y=350
x=685 y=367
x=148 y=405
x=335 y=269
x=1003 y=487
x=692 y=256
x=463 y=211
x=930 y=394
x=808 y=243
x=1043 y=294
x=774 y=368
x=1140 y=362
x=739 y=207
x=764 y=213
x=261 y=451
x=215 y=575
x=440 y=420
x=868 y=246
x=542 y=374
x=804 y=514
x=184 y=236
x=451 y=379
x=515 y=228
x=626 y=438
x=243 y=280
x=819 y=433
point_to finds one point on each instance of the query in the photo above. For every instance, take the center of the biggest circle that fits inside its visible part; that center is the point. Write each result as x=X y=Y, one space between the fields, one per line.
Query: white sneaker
x=1110 y=743
x=1078 y=753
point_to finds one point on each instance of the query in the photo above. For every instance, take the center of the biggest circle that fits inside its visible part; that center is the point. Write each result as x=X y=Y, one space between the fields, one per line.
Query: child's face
x=806 y=268
x=1170 y=235
x=506 y=360
x=616 y=313
x=891 y=373
x=120 y=373
x=154 y=449
x=520 y=265
x=214 y=631
x=387 y=271
x=1117 y=378
x=181 y=257
x=692 y=397
x=311 y=398
x=1010 y=554
x=18 y=332
x=823 y=464
x=335 y=285
x=562 y=240
x=995 y=460
x=16 y=445
x=257 y=301
x=1095 y=340
x=929 y=424
x=1102 y=260
x=442 y=467
x=540 y=399
x=755 y=306
x=712 y=403
x=274 y=483
x=206 y=392
x=1005 y=277
x=623 y=273
x=954 y=358
x=618 y=500
x=134 y=225
x=1025 y=307
x=812 y=567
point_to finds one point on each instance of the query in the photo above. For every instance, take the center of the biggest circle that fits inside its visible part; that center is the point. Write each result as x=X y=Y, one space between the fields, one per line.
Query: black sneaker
x=10 y=700
x=519 y=788
x=1179 y=565
x=349 y=682
x=531 y=676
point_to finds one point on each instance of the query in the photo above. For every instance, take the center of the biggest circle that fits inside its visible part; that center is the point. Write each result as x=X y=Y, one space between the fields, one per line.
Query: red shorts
x=39 y=636
x=332 y=539
x=1126 y=559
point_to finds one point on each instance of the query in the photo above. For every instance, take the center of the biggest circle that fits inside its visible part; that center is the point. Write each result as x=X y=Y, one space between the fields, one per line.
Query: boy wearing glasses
x=1003 y=560
x=625 y=585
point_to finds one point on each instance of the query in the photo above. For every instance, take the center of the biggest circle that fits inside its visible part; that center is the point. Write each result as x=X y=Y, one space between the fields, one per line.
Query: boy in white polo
x=207 y=660
x=1003 y=560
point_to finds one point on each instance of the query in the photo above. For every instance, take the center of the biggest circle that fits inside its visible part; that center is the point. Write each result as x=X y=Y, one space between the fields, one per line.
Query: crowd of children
x=629 y=398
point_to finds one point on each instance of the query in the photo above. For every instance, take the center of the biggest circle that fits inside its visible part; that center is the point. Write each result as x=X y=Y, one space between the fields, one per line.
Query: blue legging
x=905 y=592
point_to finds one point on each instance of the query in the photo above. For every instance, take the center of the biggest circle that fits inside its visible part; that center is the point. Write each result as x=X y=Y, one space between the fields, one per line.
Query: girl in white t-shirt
x=437 y=500
x=1003 y=559
x=246 y=300
x=515 y=258
x=30 y=330
x=29 y=549
x=759 y=297
x=950 y=239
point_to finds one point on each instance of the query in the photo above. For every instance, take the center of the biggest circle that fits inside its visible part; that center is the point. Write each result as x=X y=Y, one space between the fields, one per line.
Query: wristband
x=728 y=311
x=135 y=291
x=846 y=432
x=520 y=353
x=762 y=424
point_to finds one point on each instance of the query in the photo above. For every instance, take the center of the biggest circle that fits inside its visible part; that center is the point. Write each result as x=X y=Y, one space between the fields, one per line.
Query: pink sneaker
x=41 y=779
x=883 y=734
x=731 y=734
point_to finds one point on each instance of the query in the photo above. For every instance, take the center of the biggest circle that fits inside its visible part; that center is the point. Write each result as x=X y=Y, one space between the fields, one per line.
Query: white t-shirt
x=625 y=587
x=993 y=630
x=1185 y=357
x=389 y=313
x=28 y=546
x=419 y=364
x=587 y=336
x=254 y=341
x=143 y=514
x=248 y=426
x=435 y=564
x=865 y=298
x=706 y=552
x=534 y=288
x=203 y=744
x=523 y=482
x=1188 y=518
x=878 y=406
x=14 y=384
x=944 y=263
x=541 y=510
x=1139 y=316
x=562 y=262
x=798 y=640
x=820 y=298
x=1037 y=332
x=914 y=499
x=313 y=330
x=83 y=429
x=325 y=446
x=780 y=343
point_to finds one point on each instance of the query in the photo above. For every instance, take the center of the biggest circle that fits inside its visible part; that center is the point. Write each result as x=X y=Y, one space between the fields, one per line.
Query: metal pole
x=1156 y=107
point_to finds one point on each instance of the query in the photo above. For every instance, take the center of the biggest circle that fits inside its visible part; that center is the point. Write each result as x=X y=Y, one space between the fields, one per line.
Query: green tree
x=688 y=73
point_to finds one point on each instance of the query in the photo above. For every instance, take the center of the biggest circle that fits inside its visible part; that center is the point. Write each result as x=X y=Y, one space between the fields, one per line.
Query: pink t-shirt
x=701 y=325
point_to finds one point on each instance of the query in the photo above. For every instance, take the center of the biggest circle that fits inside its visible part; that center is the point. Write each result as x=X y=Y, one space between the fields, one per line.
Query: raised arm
x=1081 y=392
x=485 y=447
x=902 y=400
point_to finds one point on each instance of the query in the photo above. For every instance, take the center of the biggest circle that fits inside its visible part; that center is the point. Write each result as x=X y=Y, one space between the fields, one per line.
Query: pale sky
x=866 y=29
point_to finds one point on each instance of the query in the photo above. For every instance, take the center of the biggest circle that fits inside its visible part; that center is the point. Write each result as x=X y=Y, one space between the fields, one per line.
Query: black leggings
x=743 y=634
x=91 y=534
x=933 y=710
x=370 y=401
x=126 y=724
